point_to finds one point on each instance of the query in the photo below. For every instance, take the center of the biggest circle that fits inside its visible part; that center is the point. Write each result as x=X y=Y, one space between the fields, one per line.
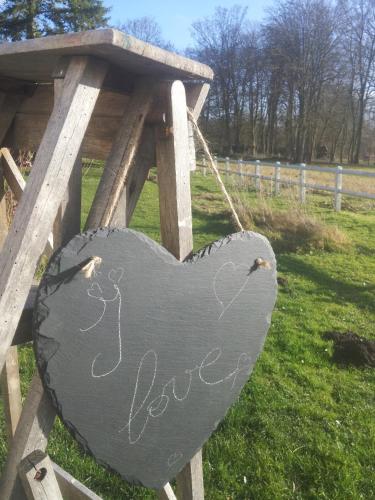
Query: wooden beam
x=167 y=493
x=144 y=160
x=190 y=480
x=196 y=95
x=38 y=477
x=121 y=157
x=172 y=156
x=172 y=152
x=10 y=377
x=11 y=392
x=31 y=434
x=12 y=174
x=45 y=190
x=17 y=184
x=71 y=488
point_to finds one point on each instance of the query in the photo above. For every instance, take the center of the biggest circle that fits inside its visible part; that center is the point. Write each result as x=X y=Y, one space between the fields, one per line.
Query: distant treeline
x=300 y=86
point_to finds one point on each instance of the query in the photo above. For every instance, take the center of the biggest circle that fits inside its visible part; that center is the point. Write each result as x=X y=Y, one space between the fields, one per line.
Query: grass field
x=303 y=427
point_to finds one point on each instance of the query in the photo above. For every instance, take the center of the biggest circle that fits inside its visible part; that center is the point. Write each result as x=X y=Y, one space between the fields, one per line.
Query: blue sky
x=175 y=17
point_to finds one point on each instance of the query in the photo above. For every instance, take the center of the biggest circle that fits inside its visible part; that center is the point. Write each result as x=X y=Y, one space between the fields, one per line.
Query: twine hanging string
x=214 y=168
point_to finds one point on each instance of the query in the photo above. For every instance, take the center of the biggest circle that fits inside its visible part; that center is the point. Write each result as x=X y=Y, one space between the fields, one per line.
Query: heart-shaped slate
x=143 y=358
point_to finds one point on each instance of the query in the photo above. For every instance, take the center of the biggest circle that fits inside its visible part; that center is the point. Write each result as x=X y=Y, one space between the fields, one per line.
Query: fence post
x=204 y=166
x=227 y=167
x=257 y=175
x=338 y=188
x=239 y=171
x=302 y=182
x=277 y=177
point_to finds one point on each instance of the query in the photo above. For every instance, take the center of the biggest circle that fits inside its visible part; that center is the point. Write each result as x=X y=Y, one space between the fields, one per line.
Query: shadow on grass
x=345 y=292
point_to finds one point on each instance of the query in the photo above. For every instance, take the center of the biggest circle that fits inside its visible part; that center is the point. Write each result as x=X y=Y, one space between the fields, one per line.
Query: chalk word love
x=158 y=405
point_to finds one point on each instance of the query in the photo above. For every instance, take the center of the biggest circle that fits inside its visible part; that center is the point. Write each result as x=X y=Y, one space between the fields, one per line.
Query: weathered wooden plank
x=11 y=392
x=10 y=377
x=195 y=98
x=68 y=220
x=45 y=190
x=35 y=59
x=38 y=477
x=167 y=493
x=196 y=94
x=172 y=151
x=32 y=432
x=8 y=108
x=144 y=160
x=12 y=174
x=172 y=154
x=190 y=480
x=121 y=157
x=23 y=332
x=71 y=488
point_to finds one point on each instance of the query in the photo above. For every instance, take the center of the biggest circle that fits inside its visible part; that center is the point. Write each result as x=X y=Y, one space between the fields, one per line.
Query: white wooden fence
x=257 y=165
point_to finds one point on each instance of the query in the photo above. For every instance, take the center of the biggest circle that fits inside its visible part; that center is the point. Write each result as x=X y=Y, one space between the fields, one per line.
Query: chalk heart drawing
x=144 y=357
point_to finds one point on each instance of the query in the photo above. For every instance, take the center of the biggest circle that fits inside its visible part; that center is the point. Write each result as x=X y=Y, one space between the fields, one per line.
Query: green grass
x=303 y=428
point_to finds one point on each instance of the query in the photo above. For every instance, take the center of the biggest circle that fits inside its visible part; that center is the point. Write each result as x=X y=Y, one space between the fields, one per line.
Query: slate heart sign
x=143 y=358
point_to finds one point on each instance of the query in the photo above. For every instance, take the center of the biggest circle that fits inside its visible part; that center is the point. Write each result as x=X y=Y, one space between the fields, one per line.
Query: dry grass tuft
x=290 y=230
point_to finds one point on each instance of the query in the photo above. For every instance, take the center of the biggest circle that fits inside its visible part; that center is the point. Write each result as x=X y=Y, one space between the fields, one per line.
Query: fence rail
x=337 y=172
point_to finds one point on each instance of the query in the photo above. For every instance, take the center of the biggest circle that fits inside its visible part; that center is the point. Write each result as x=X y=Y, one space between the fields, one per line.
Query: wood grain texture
x=35 y=59
x=167 y=493
x=44 y=191
x=71 y=488
x=196 y=94
x=31 y=434
x=120 y=160
x=172 y=155
x=12 y=174
x=190 y=484
x=10 y=377
x=17 y=185
x=38 y=477
x=148 y=351
x=144 y=159
x=173 y=162
x=11 y=392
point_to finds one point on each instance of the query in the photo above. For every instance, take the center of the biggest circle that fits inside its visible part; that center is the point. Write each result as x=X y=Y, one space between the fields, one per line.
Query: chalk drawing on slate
x=143 y=358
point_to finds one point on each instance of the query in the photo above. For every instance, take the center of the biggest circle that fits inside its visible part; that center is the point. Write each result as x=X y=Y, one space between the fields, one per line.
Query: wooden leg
x=167 y=493
x=32 y=432
x=190 y=480
x=11 y=392
x=45 y=190
x=120 y=158
x=38 y=477
x=172 y=154
x=10 y=377
x=17 y=184
x=196 y=94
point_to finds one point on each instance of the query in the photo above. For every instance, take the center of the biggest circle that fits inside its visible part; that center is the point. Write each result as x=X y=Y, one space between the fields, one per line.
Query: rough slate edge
x=38 y=317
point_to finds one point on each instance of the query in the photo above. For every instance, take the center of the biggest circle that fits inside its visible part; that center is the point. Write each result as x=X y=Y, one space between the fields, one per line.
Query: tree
x=359 y=44
x=220 y=43
x=147 y=29
x=20 y=19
